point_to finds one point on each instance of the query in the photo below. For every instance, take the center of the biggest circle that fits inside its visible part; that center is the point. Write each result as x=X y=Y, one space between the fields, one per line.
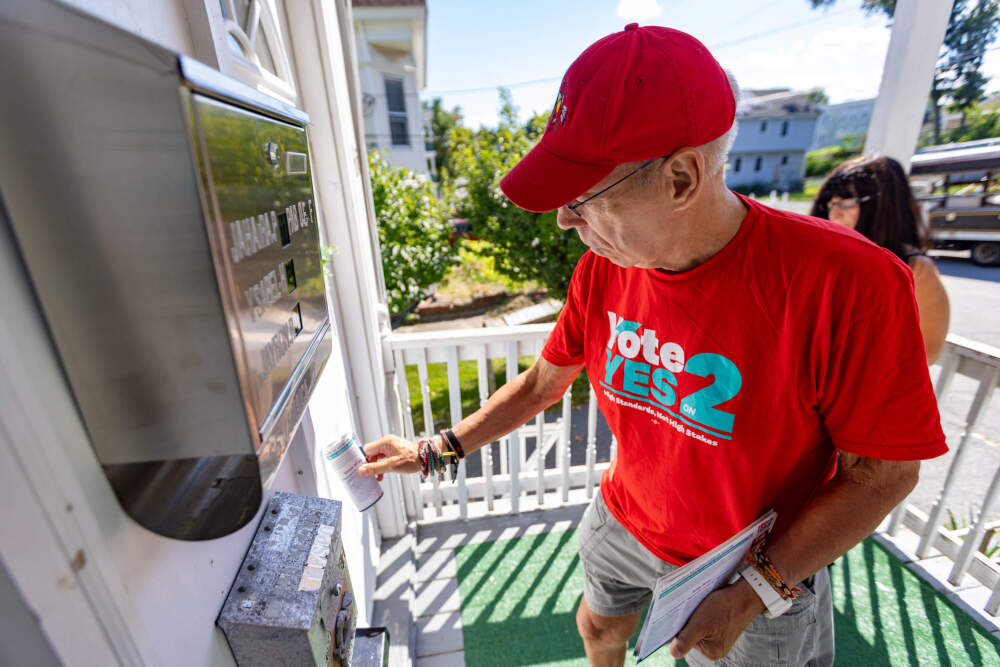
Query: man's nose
x=567 y=219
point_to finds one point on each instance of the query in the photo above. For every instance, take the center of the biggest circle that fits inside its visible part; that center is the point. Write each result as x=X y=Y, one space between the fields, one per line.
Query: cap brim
x=542 y=181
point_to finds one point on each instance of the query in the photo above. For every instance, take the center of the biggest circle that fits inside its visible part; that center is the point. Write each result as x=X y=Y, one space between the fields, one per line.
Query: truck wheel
x=986 y=254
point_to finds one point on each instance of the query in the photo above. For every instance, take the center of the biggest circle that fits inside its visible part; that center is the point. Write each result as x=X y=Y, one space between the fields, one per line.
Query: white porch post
x=917 y=34
x=340 y=165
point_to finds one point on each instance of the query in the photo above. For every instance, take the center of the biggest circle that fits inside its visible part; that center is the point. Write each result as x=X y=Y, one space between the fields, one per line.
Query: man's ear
x=686 y=175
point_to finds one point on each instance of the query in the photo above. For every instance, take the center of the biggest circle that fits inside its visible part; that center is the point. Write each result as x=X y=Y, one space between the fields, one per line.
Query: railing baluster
x=540 y=456
x=973 y=537
x=486 y=452
x=455 y=400
x=897 y=517
x=425 y=393
x=565 y=442
x=504 y=447
x=949 y=364
x=540 y=446
x=411 y=491
x=993 y=604
x=591 y=441
x=983 y=393
x=514 y=438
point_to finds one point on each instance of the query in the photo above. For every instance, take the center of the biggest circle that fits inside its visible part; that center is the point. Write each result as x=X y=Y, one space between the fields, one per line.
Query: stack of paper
x=679 y=593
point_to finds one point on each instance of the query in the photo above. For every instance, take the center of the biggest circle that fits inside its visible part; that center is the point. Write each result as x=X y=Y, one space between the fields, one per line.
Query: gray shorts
x=619 y=575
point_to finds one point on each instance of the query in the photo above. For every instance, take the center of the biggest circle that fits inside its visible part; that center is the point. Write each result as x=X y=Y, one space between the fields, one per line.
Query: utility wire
x=719 y=45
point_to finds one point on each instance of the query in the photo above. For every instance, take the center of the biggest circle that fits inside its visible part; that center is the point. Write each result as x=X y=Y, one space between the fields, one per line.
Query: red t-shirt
x=731 y=386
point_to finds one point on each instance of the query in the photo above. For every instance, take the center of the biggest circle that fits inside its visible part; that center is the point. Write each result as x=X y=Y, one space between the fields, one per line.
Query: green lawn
x=468 y=379
x=809 y=192
x=519 y=600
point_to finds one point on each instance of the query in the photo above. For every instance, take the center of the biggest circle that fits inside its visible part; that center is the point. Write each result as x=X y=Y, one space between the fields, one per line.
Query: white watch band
x=776 y=605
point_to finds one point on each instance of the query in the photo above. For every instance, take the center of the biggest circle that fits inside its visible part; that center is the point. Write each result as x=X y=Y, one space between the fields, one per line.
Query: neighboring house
x=391 y=42
x=776 y=129
x=837 y=121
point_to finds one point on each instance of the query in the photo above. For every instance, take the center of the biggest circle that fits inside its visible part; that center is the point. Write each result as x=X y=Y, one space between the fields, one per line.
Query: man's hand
x=718 y=621
x=390 y=454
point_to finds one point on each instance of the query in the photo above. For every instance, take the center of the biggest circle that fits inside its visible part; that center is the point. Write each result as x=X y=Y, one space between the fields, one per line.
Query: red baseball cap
x=633 y=95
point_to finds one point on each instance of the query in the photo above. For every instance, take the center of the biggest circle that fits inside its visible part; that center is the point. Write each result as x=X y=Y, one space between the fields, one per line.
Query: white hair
x=716 y=152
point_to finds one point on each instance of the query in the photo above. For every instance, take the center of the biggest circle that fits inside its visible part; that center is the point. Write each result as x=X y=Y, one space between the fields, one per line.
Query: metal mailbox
x=166 y=219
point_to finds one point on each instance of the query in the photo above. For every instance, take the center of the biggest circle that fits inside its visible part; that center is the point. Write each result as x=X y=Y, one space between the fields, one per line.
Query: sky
x=476 y=45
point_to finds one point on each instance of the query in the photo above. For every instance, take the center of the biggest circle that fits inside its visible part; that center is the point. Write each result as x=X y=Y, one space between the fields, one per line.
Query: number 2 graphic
x=700 y=406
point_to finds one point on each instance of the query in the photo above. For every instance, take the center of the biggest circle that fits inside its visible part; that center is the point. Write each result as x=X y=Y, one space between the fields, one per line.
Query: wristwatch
x=776 y=605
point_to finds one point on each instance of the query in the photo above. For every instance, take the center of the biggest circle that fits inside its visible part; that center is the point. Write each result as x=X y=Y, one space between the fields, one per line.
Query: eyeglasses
x=574 y=207
x=849 y=203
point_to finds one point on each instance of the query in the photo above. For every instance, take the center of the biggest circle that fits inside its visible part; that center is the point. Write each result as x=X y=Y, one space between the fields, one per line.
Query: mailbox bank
x=165 y=215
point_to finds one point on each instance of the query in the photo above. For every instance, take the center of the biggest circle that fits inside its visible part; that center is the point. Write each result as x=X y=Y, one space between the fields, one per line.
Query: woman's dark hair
x=890 y=217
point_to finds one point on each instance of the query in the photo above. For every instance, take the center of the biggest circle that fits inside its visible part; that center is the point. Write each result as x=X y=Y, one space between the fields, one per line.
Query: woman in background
x=872 y=195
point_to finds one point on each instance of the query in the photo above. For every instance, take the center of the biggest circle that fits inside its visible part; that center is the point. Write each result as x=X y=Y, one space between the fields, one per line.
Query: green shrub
x=415 y=238
x=822 y=161
x=524 y=246
x=756 y=188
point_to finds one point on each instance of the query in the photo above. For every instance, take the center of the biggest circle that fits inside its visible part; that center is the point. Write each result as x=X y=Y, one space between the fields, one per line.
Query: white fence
x=521 y=479
x=524 y=482
x=964 y=547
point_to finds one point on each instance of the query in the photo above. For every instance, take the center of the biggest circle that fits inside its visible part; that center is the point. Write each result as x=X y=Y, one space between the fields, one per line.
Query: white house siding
x=780 y=142
x=773 y=172
x=154 y=600
x=391 y=44
x=837 y=121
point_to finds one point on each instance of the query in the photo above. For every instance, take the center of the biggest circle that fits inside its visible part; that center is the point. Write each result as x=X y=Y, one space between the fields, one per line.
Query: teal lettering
x=700 y=405
x=625 y=325
x=636 y=378
x=661 y=391
x=610 y=366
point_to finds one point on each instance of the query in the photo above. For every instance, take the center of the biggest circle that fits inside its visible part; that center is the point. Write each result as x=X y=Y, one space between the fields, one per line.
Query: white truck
x=959 y=186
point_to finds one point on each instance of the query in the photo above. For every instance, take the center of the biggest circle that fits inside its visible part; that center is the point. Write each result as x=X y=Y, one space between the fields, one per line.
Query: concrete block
x=292 y=597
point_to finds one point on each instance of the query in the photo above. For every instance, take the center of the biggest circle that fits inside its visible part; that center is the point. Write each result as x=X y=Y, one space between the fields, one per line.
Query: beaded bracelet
x=760 y=562
x=432 y=460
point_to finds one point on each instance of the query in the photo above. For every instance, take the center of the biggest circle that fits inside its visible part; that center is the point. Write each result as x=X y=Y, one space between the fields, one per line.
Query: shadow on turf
x=550 y=637
x=854 y=648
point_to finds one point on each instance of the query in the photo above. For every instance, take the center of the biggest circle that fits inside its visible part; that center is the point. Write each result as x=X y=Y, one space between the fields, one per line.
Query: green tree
x=442 y=124
x=415 y=238
x=980 y=124
x=523 y=245
x=818 y=96
x=958 y=81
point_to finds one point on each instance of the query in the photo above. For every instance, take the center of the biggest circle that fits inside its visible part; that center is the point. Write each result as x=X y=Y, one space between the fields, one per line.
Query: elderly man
x=745 y=358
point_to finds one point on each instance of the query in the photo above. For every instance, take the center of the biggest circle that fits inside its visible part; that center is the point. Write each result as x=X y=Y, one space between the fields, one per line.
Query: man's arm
x=844 y=512
x=509 y=407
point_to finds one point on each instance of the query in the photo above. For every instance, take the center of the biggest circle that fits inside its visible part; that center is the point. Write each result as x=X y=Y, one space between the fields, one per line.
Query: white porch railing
x=521 y=479
x=908 y=524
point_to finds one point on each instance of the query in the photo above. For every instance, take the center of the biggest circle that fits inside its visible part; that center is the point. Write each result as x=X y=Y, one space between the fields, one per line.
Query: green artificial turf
x=519 y=600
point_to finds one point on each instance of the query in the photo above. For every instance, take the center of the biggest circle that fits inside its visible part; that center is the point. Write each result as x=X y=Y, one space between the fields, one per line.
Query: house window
x=736 y=165
x=757 y=163
x=784 y=127
x=763 y=126
x=784 y=159
x=257 y=39
x=398 y=130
